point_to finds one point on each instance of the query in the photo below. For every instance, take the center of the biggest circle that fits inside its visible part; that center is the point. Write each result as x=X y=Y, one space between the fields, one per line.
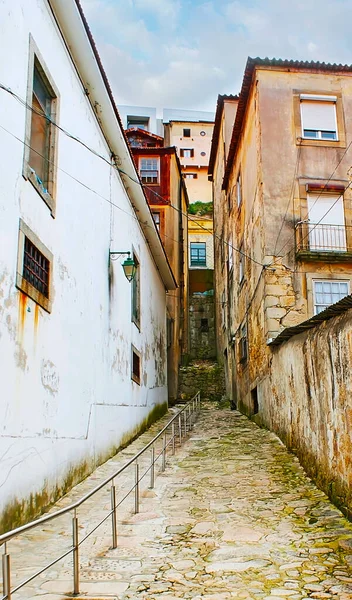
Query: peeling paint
x=49 y=377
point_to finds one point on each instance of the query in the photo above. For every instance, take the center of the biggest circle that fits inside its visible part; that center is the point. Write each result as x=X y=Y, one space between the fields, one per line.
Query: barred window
x=36 y=268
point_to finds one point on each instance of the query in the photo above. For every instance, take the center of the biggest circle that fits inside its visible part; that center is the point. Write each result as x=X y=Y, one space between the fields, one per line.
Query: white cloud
x=182 y=53
x=163 y=9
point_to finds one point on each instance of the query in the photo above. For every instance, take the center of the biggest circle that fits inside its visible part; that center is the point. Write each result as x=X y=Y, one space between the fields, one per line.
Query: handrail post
x=136 y=489
x=152 y=467
x=173 y=439
x=75 y=553
x=190 y=418
x=185 y=421
x=113 y=514
x=6 y=574
x=180 y=428
x=163 y=464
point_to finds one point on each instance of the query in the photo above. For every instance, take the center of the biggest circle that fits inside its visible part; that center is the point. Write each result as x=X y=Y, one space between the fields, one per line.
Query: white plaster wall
x=67 y=396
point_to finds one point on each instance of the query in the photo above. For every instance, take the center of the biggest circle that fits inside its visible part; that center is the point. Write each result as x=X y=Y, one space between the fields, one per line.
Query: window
x=243 y=343
x=156 y=217
x=136 y=366
x=139 y=122
x=41 y=135
x=202 y=133
x=198 y=254
x=186 y=133
x=136 y=294
x=223 y=310
x=230 y=252
x=190 y=176
x=318 y=116
x=327 y=292
x=204 y=325
x=34 y=267
x=255 y=403
x=241 y=264
x=326 y=227
x=169 y=331
x=203 y=153
x=149 y=170
x=187 y=152
x=239 y=190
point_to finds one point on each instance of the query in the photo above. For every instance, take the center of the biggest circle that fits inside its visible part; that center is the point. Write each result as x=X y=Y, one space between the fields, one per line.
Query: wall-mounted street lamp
x=128 y=265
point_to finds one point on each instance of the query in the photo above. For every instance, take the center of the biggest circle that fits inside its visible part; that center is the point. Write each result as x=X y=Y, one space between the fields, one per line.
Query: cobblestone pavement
x=233 y=516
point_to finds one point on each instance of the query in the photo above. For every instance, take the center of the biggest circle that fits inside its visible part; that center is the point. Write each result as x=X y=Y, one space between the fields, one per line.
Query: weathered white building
x=83 y=351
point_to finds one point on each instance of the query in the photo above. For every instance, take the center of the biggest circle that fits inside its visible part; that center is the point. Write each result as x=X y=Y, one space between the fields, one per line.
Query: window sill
x=136 y=379
x=300 y=141
x=28 y=289
x=30 y=174
x=137 y=323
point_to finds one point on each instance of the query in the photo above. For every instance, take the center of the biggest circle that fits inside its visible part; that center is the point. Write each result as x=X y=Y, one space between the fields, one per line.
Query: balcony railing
x=313 y=239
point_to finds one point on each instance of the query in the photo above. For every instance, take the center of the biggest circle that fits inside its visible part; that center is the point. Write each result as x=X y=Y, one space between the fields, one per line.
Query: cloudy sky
x=183 y=53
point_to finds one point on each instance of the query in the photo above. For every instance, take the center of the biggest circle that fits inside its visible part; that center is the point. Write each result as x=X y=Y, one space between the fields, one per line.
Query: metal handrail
x=190 y=411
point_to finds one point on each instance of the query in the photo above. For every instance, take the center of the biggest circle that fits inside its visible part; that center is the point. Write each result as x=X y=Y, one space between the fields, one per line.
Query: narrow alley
x=233 y=516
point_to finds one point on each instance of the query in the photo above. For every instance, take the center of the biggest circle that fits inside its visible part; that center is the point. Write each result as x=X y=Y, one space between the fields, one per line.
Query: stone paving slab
x=233 y=516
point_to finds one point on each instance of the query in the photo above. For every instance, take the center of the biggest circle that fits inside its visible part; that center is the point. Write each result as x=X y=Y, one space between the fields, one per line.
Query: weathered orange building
x=160 y=173
x=279 y=164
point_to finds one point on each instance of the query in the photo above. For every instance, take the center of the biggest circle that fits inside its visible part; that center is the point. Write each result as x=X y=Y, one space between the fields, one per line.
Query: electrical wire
x=82 y=183
x=290 y=196
x=316 y=200
x=120 y=171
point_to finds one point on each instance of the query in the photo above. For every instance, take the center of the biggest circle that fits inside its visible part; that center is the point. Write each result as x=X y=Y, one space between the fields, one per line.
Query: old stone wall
x=204 y=376
x=202 y=326
x=306 y=399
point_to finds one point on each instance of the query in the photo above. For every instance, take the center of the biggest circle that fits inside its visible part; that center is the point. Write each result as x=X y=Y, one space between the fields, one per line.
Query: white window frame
x=239 y=190
x=157 y=161
x=317 y=98
x=189 y=152
x=330 y=281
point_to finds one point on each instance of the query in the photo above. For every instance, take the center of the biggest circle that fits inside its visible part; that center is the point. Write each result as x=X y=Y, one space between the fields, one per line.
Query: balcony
x=332 y=243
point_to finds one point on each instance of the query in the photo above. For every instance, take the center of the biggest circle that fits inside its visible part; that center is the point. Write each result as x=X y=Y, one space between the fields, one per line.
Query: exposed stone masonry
x=204 y=376
x=283 y=308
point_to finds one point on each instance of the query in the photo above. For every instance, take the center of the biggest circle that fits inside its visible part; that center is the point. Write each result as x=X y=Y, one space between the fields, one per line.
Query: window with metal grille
x=186 y=133
x=136 y=366
x=198 y=254
x=36 y=268
x=149 y=170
